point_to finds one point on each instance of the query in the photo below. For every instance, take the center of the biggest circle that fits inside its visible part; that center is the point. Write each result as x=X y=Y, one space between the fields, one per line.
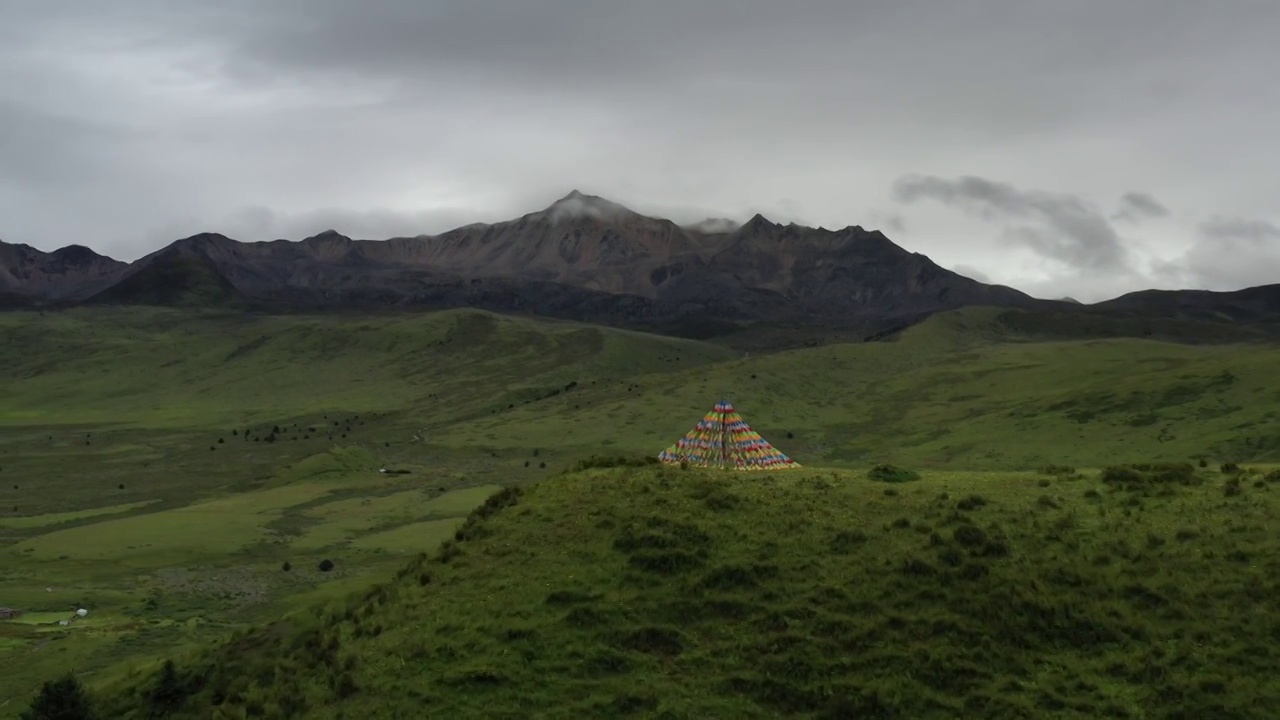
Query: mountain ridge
x=582 y=257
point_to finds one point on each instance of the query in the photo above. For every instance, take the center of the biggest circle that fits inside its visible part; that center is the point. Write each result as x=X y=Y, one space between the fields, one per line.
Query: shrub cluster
x=892 y=474
x=615 y=461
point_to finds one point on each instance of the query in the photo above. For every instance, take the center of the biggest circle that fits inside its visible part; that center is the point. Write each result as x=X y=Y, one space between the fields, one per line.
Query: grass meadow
x=183 y=475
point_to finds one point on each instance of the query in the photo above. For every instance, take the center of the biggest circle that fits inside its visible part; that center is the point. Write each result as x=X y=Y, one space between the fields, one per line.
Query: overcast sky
x=1081 y=148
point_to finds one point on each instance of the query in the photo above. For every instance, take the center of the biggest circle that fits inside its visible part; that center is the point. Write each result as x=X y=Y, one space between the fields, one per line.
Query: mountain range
x=582 y=258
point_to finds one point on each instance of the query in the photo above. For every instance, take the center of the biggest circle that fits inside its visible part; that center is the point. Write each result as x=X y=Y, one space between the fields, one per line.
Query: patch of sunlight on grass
x=34 y=521
x=412 y=538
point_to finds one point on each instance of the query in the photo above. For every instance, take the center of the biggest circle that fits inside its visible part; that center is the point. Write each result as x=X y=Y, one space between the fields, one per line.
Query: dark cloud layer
x=129 y=121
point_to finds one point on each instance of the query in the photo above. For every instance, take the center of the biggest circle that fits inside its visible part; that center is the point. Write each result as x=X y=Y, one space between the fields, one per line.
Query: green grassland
x=181 y=576
x=159 y=467
x=688 y=594
x=959 y=391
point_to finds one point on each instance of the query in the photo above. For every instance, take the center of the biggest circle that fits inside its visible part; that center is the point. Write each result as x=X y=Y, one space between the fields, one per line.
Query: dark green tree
x=61 y=699
x=169 y=692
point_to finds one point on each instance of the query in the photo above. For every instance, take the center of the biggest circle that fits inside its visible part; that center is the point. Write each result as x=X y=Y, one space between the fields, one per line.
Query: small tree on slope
x=61 y=699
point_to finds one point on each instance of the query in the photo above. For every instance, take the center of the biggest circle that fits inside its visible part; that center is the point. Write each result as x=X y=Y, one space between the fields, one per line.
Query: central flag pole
x=724 y=439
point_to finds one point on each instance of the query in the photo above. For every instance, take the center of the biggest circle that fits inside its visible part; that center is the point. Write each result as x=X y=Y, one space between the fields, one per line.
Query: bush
x=1057 y=470
x=171 y=689
x=1134 y=477
x=326 y=565
x=891 y=473
x=1230 y=468
x=286 y=566
x=609 y=461
x=61 y=699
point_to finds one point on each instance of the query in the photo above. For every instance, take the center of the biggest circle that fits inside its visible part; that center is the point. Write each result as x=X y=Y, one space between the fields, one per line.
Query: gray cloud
x=1231 y=252
x=972 y=272
x=50 y=151
x=577 y=205
x=1137 y=206
x=715 y=225
x=1058 y=226
x=128 y=121
x=1235 y=231
x=891 y=222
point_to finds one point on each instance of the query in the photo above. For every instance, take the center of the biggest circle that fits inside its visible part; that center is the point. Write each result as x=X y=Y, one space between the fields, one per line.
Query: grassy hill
x=161 y=467
x=962 y=390
x=959 y=391
x=145 y=366
x=662 y=593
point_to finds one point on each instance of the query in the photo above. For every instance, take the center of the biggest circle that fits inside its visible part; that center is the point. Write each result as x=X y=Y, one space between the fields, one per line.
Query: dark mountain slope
x=852 y=271
x=589 y=259
x=1245 y=305
x=579 y=240
x=586 y=258
x=72 y=272
x=15 y=301
x=173 y=279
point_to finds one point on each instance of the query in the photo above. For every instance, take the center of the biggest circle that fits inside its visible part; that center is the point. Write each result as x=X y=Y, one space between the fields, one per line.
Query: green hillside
x=955 y=392
x=154 y=367
x=963 y=390
x=183 y=474
x=174 y=281
x=808 y=594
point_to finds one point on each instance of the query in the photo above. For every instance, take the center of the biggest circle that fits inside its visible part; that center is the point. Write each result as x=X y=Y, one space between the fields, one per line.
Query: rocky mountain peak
x=577 y=205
